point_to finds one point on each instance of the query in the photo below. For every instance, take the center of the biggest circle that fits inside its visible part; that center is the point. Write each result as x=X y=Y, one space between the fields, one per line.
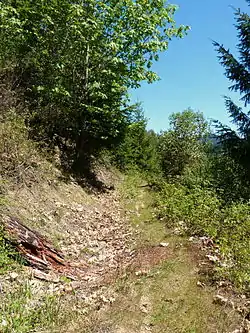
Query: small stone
x=200 y=284
x=220 y=299
x=75 y=284
x=144 y=308
x=13 y=276
x=139 y=273
x=223 y=301
x=104 y=299
x=164 y=244
x=4 y=323
x=247 y=325
x=223 y=283
x=212 y=258
x=68 y=289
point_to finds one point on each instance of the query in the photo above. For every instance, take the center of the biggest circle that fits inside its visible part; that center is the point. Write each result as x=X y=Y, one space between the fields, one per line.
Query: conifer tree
x=237 y=70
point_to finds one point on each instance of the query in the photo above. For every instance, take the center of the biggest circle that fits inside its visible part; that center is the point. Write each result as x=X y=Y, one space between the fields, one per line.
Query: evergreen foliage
x=139 y=147
x=237 y=142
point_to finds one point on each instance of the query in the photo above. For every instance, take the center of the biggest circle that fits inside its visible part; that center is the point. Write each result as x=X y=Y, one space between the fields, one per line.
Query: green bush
x=202 y=213
x=234 y=240
x=198 y=208
x=183 y=145
x=139 y=148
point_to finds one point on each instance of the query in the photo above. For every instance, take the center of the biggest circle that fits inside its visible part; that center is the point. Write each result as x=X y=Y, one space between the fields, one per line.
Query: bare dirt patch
x=140 y=262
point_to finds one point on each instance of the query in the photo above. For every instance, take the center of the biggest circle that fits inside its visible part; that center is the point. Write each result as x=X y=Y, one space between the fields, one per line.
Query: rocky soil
x=99 y=244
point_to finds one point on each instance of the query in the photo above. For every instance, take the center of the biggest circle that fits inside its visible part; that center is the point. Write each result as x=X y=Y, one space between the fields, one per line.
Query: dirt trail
x=127 y=272
x=159 y=285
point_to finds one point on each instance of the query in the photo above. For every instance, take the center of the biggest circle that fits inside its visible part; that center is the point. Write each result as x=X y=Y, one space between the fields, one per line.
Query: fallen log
x=32 y=246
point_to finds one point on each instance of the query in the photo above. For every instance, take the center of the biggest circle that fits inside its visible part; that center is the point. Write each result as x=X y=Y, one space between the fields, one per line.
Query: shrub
x=234 y=239
x=203 y=214
x=197 y=207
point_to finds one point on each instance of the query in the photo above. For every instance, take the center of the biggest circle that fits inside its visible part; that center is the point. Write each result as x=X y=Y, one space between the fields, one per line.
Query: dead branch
x=36 y=250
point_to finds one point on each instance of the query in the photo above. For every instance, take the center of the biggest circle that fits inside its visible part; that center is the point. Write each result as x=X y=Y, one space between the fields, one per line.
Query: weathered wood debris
x=37 y=251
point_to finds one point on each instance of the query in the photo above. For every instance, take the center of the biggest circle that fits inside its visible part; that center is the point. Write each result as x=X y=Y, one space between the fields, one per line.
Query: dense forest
x=66 y=69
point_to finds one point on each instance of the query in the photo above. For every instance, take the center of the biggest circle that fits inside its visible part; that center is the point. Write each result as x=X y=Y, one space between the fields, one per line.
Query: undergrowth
x=21 y=314
x=8 y=256
x=204 y=214
x=22 y=164
x=164 y=297
x=168 y=300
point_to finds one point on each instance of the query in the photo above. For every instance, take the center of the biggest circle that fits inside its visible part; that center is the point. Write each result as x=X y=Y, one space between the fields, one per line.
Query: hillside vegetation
x=78 y=164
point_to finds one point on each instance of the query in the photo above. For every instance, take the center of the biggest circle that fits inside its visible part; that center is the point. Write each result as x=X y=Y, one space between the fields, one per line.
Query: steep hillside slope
x=123 y=271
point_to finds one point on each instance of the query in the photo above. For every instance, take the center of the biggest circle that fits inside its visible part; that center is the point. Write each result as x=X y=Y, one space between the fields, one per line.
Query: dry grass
x=20 y=161
x=166 y=298
x=46 y=207
x=32 y=189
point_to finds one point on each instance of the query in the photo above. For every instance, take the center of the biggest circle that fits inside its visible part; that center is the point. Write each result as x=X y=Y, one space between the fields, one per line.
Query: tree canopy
x=182 y=145
x=75 y=61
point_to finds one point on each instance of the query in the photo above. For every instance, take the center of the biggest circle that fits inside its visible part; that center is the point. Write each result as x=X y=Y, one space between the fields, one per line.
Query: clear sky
x=191 y=75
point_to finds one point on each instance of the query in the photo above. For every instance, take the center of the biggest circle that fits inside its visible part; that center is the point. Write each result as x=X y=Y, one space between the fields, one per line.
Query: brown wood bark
x=33 y=247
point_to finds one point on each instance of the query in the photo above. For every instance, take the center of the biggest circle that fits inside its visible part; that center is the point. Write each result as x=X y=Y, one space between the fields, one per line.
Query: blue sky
x=191 y=75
